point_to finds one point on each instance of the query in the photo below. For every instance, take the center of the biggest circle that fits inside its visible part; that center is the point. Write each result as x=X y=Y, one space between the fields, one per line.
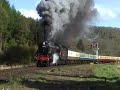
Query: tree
x=3 y=25
x=80 y=45
x=36 y=32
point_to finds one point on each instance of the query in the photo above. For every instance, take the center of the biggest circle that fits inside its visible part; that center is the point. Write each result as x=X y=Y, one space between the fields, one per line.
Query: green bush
x=18 y=55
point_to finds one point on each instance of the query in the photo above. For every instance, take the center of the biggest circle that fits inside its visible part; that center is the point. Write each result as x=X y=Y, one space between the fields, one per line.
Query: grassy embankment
x=101 y=77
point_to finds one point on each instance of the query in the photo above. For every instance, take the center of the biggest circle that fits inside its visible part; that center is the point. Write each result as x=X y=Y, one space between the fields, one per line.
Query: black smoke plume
x=67 y=20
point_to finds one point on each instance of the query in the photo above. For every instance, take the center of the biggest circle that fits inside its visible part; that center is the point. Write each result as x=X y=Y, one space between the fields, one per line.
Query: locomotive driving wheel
x=38 y=63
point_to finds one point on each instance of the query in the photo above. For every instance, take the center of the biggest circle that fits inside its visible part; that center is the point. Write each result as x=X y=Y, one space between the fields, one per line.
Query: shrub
x=18 y=55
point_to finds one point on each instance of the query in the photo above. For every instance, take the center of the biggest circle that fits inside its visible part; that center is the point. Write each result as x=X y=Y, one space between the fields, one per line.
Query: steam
x=55 y=58
x=66 y=20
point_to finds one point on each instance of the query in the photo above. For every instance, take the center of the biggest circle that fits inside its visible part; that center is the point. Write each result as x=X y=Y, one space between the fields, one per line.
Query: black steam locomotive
x=50 y=53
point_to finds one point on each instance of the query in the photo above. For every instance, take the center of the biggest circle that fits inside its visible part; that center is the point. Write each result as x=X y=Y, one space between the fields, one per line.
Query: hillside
x=108 y=39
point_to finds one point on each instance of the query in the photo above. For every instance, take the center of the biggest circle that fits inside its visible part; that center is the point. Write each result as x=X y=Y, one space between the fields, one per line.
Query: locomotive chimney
x=45 y=25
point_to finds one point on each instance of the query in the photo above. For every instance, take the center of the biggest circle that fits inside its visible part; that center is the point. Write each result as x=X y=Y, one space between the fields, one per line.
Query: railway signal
x=95 y=48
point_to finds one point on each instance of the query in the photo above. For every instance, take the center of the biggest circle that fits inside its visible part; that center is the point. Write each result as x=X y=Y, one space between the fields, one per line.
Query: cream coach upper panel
x=73 y=53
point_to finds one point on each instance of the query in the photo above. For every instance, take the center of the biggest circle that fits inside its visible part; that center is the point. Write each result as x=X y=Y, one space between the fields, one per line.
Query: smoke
x=67 y=20
x=55 y=58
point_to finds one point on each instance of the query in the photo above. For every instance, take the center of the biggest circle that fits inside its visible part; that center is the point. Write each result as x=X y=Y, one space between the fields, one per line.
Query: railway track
x=7 y=73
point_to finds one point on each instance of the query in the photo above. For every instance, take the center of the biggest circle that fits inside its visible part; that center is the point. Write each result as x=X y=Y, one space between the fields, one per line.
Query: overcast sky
x=108 y=10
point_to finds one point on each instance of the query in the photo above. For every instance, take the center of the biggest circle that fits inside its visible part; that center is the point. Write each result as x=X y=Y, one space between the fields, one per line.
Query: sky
x=108 y=11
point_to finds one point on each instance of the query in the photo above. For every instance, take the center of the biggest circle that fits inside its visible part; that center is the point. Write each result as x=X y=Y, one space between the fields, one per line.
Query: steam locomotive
x=50 y=53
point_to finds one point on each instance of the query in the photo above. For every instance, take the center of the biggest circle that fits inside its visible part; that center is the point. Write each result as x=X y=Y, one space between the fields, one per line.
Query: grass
x=107 y=71
x=18 y=82
x=14 y=83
